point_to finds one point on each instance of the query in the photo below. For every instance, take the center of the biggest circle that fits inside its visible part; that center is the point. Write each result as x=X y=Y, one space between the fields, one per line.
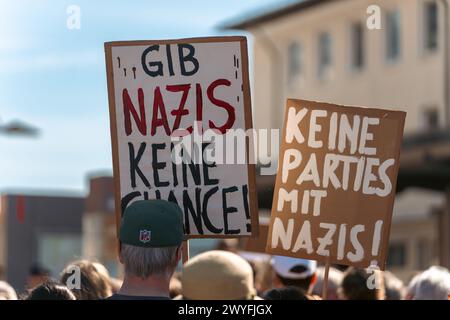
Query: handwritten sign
x=336 y=183
x=161 y=90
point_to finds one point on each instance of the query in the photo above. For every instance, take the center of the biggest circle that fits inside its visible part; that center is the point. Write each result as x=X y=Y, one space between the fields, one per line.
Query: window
x=429 y=118
x=396 y=255
x=393 y=34
x=357 y=45
x=55 y=250
x=324 y=53
x=423 y=254
x=294 y=58
x=430 y=25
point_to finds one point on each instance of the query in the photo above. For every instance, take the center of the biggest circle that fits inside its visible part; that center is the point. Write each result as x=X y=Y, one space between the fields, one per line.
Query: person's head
x=151 y=235
x=262 y=269
x=265 y=276
x=175 y=285
x=294 y=272
x=50 y=291
x=394 y=288
x=334 y=281
x=101 y=269
x=93 y=282
x=432 y=284
x=285 y=293
x=258 y=273
x=7 y=292
x=357 y=285
x=231 y=245
x=217 y=275
x=38 y=274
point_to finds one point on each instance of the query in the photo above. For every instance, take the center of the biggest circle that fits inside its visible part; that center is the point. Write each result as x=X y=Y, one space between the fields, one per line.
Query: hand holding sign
x=336 y=183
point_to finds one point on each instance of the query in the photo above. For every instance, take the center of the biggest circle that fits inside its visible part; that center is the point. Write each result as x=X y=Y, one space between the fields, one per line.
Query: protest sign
x=335 y=185
x=161 y=91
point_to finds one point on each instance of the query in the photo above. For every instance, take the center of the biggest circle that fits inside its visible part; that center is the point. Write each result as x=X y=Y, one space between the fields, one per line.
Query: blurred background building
x=38 y=230
x=324 y=50
x=99 y=224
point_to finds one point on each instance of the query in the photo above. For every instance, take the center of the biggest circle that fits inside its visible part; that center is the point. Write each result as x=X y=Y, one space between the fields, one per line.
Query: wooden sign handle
x=325 y=280
x=185 y=251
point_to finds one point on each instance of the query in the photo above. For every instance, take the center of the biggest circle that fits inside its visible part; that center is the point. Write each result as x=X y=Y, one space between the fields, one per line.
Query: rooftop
x=269 y=14
x=417 y=204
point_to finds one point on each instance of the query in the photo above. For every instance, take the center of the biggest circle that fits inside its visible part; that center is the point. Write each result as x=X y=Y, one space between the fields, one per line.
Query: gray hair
x=7 y=292
x=432 y=284
x=144 y=262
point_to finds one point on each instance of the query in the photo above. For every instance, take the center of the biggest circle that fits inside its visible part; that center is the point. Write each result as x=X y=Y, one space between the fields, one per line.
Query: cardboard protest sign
x=162 y=91
x=336 y=181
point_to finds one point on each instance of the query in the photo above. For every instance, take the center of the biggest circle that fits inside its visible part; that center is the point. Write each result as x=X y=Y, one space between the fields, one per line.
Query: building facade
x=99 y=224
x=325 y=51
x=38 y=229
x=388 y=54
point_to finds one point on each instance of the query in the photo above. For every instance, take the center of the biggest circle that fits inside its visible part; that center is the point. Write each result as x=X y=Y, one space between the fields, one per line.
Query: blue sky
x=54 y=78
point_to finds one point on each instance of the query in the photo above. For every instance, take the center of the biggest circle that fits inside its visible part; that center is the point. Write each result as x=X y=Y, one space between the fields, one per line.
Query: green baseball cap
x=152 y=223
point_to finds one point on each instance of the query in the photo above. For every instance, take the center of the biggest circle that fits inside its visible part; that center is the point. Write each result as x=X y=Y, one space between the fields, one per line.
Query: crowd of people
x=151 y=250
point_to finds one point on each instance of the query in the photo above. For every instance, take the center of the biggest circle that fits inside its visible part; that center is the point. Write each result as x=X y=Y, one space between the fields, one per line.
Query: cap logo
x=144 y=236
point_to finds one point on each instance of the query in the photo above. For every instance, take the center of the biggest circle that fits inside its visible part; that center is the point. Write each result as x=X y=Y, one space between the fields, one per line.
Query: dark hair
x=51 y=290
x=286 y=293
x=299 y=283
x=354 y=286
